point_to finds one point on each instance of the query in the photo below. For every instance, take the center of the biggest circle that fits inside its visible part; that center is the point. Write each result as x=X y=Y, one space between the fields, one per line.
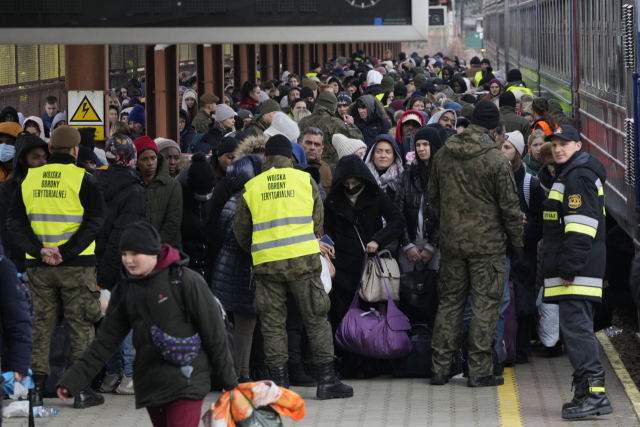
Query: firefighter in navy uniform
x=574 y=264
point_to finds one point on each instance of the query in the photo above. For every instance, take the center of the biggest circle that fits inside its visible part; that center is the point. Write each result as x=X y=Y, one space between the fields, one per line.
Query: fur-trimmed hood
x=251 y=145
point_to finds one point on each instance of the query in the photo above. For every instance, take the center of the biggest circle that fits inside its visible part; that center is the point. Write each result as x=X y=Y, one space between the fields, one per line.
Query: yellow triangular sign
x=85 y=112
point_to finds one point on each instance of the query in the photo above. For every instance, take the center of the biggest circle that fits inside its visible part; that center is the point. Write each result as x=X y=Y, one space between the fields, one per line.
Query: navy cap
x=566 y=132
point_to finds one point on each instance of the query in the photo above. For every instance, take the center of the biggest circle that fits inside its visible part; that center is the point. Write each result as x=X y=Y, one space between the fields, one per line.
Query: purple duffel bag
x=371 y=334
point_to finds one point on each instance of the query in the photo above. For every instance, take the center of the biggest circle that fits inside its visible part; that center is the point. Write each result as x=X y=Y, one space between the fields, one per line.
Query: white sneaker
x=126 y=385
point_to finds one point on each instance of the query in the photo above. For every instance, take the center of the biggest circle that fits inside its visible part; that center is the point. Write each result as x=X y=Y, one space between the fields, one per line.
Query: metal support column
x=321 y=54
x=295 y=59
x=244 y=64
x=267 y=63
x=217 y=76
x=305 y=59
x=204 y=68
x=161 y=77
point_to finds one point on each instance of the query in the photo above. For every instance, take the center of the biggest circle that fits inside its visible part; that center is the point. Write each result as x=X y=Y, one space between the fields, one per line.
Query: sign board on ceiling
x=86 y=110
x=216 y=21
x=437 y=16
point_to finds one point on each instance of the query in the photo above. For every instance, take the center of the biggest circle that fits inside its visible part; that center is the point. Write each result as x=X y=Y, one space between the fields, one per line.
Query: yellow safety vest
x=51 y=196
x=478 y=78
x=309 y=75
x=380 y=96
x=281 y=205
x=521 y=89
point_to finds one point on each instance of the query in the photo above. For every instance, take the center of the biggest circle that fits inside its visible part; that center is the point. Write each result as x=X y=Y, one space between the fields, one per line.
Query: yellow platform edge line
x=623 y=375
x=509 y=400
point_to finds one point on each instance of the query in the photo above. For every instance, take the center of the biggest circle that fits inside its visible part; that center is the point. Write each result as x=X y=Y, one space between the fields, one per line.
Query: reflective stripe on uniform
x=557 y=192
x=55 y=217
x=600 y=188
x=593 y=282
x=282 y=242
x=281 y=222
x=579 y=228
x=573 y=290
x=596 y=389
x=581 y=224
x=54 y=238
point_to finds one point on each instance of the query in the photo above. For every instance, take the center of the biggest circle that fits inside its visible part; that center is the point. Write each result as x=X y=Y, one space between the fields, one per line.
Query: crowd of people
x=454 y=169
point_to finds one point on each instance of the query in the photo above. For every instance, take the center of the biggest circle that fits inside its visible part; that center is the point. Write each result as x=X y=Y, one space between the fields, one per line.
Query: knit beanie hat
x=507 y=99
x=266 y=107
x=137 y=115
x=120 y=151
x=386 y=84
x=307 y=93
x=429 y=134
x=227 y=145
x=419 y=79
x=65 y=137
x=85 y=154
x=495 y=81
x=486 y=115
x=87 y=137
x=145 y=143
x=381 y=70
x=344 y=98
x=517 y=140
x=314 y=65
x=514 y=75
x=397 y=105
x=10 y=128
x=263 y=96
x=201 y=178
x=428 y=88
x=310 y=84
x=467 y=111
x=283 y=125
x=243 y=114
x=345 y=145
x=163 y=143
x=244 y=134
x=328 y=100
x=140 y=237
x=223 y=112
x=278 y=145
x=400 y=90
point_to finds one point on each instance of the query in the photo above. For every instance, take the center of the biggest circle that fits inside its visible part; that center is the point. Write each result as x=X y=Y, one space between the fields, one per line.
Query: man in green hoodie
x=473 y=191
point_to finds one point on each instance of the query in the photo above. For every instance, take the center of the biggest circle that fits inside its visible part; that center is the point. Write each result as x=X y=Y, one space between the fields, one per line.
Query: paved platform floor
x=532 y=396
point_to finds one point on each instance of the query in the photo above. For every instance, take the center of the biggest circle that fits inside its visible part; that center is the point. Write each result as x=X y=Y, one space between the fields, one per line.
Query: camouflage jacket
x=474 y=194
x=257 y=124
x=300 y=268
x=329 y=124
x=201 y=121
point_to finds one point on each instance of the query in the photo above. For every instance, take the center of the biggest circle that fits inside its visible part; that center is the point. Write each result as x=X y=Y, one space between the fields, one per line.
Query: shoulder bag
x=374 y=273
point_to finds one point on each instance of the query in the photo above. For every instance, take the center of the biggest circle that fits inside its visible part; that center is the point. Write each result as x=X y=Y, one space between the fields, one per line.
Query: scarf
x=353 y=198
x=388 y=178
x=248 y=104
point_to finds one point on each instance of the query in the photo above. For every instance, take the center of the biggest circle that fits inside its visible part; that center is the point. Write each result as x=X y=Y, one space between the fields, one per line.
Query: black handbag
x=419 y=294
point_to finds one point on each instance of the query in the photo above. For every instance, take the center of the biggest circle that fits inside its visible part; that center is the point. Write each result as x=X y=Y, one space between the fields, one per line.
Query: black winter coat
x=375 y=123
x=340 y=217
x=126 y=199
x=221 y=195
x=194 y=241
x=408 y=199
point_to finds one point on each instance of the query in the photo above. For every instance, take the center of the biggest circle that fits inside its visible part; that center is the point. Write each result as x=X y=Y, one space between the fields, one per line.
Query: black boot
x=280 y=376
x=329 y=387
x=594 y=402
x=299 y=378
x=439 y=379
x=87 y=398
x=37 y=394
x=579 y=392
x=261 y=373
x=489 y=381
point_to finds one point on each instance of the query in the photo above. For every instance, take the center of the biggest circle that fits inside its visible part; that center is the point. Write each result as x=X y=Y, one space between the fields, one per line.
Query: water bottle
x=48 y=413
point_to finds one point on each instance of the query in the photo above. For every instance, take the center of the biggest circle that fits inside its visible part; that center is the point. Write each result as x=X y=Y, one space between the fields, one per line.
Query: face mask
x=203 y=197
x=354 y=190
x=6 y=152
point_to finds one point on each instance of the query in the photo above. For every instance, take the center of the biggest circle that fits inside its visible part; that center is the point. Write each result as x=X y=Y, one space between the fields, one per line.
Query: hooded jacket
x=126 y=201
x=231 y=282
x=164 y=204
x=375 y=124
x=189 y=132
x=371 y=206
x=194 y=241
x=57 y=119
x=158 y=382
x=37 y=120
x=10 y=111
x=436 y=117
x=514 y=122
x=574 y=230
x=558 y=114
x=329 y=124
x=390 y=178
x=474 y=195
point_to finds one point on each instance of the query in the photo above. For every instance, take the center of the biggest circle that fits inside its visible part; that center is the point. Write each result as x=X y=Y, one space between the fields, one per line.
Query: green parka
x=514 y=122
x=164 y=202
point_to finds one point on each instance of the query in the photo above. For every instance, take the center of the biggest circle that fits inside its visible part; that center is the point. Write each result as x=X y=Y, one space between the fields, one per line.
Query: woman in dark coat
x=369 y=118
x=384 y=161
x=421 y=238
x=231 y=282
x=356 y=202
x=523 y=274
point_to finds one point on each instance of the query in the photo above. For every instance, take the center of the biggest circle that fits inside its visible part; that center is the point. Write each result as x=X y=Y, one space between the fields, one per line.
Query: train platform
x=532 y=396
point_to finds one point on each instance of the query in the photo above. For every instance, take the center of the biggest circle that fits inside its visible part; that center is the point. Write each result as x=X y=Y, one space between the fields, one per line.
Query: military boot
x=439 y=379
x=594 y=402
x=299 y=378
x=37 y=394
x=280 y=376
x=87 y=398
x=488 y=381
x=579 y=391
x=329 y=387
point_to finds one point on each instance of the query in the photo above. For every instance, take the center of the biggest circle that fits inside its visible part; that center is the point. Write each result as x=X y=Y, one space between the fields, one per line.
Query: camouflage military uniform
x=329 y=124
x=473 y=192
x=258 y=124
x=76 y=289
x=202 y=121
x=300 y=276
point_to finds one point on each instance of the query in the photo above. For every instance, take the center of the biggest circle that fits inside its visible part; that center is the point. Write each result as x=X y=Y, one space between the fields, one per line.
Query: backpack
x=192 y=145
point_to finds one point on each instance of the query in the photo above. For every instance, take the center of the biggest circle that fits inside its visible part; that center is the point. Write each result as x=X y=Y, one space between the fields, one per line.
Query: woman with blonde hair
x=190 y=102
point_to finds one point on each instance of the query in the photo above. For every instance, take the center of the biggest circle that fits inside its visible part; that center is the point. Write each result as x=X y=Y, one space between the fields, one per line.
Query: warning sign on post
x=87 y=110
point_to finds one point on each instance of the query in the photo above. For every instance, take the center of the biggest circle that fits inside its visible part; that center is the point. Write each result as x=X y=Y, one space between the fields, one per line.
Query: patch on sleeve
x=575 y=201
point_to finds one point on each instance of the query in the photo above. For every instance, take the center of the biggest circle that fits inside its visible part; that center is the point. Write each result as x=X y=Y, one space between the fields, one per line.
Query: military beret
x=209 y=98
x=65 y=137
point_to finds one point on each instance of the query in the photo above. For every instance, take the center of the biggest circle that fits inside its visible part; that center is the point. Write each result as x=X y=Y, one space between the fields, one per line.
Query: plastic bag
x=16 y=409
x=548 y=324
x=325 y=275
x=261 y=417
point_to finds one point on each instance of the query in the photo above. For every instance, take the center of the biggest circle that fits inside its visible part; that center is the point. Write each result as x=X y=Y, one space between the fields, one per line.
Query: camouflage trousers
x=312 y=301
x=73 y=287
x=484 y=279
